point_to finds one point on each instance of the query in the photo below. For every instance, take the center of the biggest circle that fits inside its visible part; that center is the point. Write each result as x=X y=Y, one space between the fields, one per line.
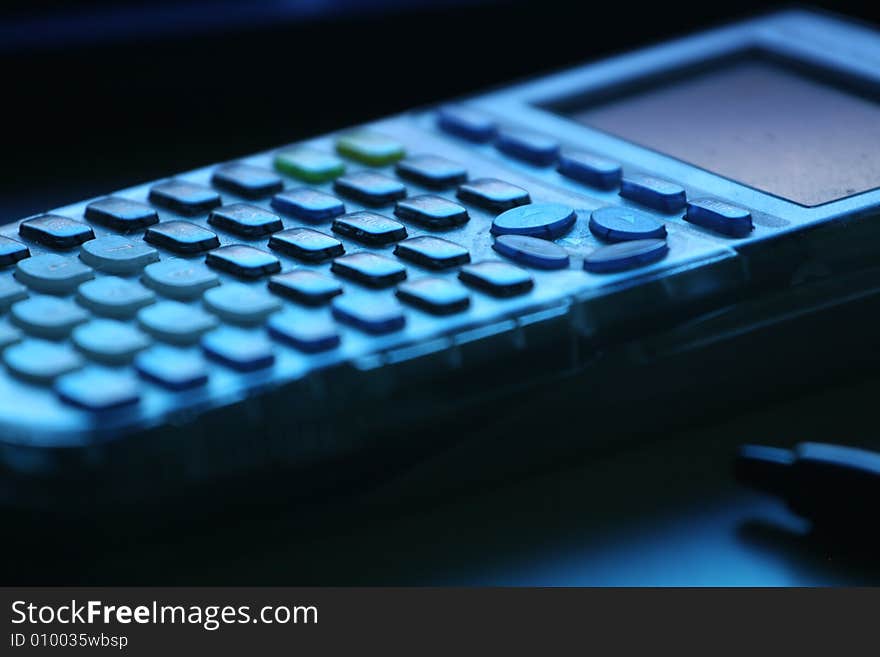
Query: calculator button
x=12 y=251
x=109 y=341
x=40 y=361
x=247 y=181
x=720 y=217
x=184 y=197
x=432 y=252
x=243 y=261
x=625 y=255
x=179 y=278
x=121 y=214
x=438 y=296
x=308 y=333
x=370 y=188
x=306 y=244
x=9 y=335
x=55 y=231
x=308 y=287
x=10 y=292
x=493 y=195
x=431 y=171
x=172 y=368
x=656 y=193
x=47 y=317
x=590 y=169
x=181 y=237
x=308 y=204
x=369 y=269
x=433 y=212
x=245 y=220
x=308 y=164
x=241 y=304
x=499 y=279
x=239 y=349
x=369 y=148
x=114 y=297
x=175 y=322
x=55 y=274
x=532 y=251
x=616 y=223
x=376 y=315
x=117 y=255
x=466 y=123
x=545 y=220
x=95 y=389
x=528 y=146
x=369 y=228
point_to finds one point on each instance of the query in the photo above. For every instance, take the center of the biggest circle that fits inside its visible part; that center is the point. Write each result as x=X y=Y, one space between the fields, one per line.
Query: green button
x=308 y=164
x=370 y=148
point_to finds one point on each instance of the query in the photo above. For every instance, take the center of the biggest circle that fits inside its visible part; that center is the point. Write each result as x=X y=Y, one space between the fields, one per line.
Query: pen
x=833 y=485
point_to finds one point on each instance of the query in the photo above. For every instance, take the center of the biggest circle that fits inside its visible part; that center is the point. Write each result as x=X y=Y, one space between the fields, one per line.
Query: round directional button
x=544 y=220
x=531 y=251
x=618 y=224
x=625 y=255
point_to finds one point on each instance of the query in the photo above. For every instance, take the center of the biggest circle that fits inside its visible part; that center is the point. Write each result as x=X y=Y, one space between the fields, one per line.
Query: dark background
x=101 y=95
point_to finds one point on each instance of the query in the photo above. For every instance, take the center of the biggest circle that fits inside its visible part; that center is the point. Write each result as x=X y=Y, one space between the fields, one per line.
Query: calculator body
x=361 y=406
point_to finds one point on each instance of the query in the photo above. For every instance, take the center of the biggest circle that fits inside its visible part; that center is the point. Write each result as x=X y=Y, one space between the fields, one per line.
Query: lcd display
x=758 y=123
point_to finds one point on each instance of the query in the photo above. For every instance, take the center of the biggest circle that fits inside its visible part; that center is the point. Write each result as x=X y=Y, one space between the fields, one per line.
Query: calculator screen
x=758 y=123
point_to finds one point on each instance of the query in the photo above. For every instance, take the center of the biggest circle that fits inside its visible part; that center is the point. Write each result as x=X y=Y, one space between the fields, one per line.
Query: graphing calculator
x=283 y=311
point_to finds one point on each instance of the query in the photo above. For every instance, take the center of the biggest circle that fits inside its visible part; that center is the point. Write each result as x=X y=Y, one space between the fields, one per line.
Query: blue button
x=121 y=214
x=308 y=287
x=307 y=332
x=240 y=349
x=655 y=193
x=369 y=228
x=617 y=224
x=466 y=123
x=370 y=188
x=369 y=313
x=179 y=278
x=306 y=244
x=114 y=296
x=309 y=204
x=432 y=252
x=532 y=251
x=431 y=171
x=55 y=231
x=247 y=181
x=590 y=169
x=369 y=269
x=243 y=261
x=39 y=361
x=625 y=255
x=246 y=220
x=499 y=279
x=528 y=146
x=48 y=317
x=10 y=292
x=176 y=322
x=109 y=341
x=97 y=389
x=52 y=273
x=172 y=368
x=720 y=217
x=545 y=220
x=431 y=211
x=118 y=255
x=493 y=194
x=184 y=197
x=241 y=304
x=438 y=296
x=12 y=251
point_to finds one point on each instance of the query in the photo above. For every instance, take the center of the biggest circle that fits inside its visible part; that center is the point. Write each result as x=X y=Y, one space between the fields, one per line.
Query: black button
x=369 y=314
x=369 y=269
x=244 y=261
x=247 y=181
x=432 y=212
x=55 y=231
x=309 y=204
x=432 y=171
x=308 y=287
x=182 y=237
x=246 y=220
x=493 y=195
x=184 y=198
x=12 y=251
x=432 y=252
x=370 y=188
x=435 y=295
x=499 y=279
x=121 y=214
x=306 y=244
x=369 y=228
